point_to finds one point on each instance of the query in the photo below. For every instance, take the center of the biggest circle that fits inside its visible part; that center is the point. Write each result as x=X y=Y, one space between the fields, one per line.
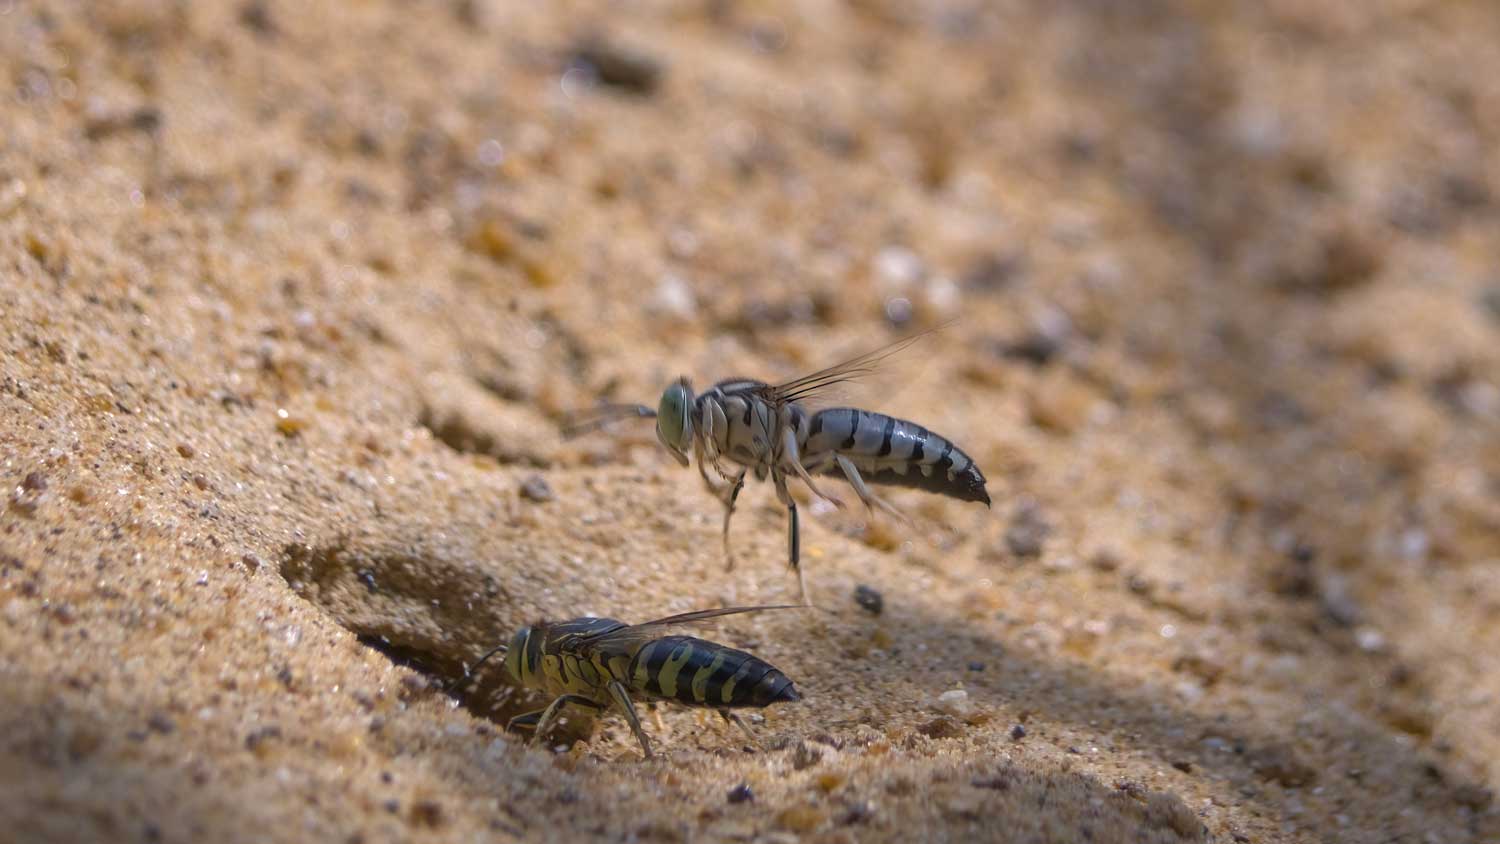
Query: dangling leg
x=727 y=492
x=734 y=494
x=541 y=720
x=704 y=461
x=790 y=453
x=794 y=538
x=621 y=697
x=738 y=722
x=870 y=499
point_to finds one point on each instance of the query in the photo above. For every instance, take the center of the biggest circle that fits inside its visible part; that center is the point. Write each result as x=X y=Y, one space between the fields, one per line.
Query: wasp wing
x=809 y=386
x=626 y=638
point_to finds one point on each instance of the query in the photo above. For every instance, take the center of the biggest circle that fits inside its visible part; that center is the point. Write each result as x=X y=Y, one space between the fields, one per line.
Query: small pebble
x=288 y=425
x=1369 y=640
x=954 y=702
x=1028 y=530
x=34 y=482
x=1037 y=349
x=628 y=70
x=976 y=666
x=674 y=296
x=993 y=272
x=536 y=488
x=858 y=813
x=869 y=599
x=741 y=794
x=899 y=267
x=256 y=17
x=1105 y=559
x=426 y=813
x=1017 y=732
x=256 y=741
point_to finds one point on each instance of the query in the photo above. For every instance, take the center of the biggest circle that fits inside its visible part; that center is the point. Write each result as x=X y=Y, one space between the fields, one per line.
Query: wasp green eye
x=672 y=417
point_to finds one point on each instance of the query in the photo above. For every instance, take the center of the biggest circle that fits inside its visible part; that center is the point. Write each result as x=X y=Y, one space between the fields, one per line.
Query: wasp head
x=674 y=423
x=522 y=655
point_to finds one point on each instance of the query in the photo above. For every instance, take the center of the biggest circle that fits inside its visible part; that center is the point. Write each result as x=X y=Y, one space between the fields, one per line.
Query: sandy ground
x=293 y=297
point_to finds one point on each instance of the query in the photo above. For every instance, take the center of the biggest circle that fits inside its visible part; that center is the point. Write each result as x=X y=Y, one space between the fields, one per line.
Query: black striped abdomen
x=893 y=452
x=696 y=672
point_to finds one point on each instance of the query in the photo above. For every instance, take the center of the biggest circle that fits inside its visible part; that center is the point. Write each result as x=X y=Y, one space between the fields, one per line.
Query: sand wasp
x=599 y=663
x=769 y=430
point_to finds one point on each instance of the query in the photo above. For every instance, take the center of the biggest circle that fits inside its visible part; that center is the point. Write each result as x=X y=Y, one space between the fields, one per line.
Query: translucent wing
x=632 y=634
x=809 y=386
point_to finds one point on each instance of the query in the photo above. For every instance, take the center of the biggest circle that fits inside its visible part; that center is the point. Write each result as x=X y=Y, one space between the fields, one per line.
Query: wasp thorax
x=674 y=426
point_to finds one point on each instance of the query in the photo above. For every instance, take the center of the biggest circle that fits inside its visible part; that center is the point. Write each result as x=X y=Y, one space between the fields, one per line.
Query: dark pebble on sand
x=536 y=488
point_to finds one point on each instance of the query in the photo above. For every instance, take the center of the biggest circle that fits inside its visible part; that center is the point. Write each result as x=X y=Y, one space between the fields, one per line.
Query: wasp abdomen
x=696 y=672
x=895 y=452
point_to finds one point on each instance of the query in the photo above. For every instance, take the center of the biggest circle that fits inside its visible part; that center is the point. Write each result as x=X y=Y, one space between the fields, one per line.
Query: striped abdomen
x=701 y=673
x=892 y=451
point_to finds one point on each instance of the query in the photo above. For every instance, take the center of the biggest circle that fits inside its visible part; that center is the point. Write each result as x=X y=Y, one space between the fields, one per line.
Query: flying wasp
x=598 y=663
x=770 y=430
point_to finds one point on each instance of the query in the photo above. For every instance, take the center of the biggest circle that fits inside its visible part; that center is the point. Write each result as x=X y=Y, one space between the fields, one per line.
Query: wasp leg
x=739 y=722
x=870 y=499
x=734 y=494
x=794 y=537
x=541 y=720
x=790 y=453
x=727 y=493
x=701 y=455
x=621 y=697
x=526 y=720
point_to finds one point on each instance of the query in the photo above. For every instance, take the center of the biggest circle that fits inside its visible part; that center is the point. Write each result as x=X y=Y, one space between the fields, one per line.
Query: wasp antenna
x=471 y=669
x=588 y=421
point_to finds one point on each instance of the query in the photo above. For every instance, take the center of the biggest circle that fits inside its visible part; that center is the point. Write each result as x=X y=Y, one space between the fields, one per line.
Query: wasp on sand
x=598 y=663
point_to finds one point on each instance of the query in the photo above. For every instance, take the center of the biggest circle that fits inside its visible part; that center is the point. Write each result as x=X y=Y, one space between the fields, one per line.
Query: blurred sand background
x=293 y=296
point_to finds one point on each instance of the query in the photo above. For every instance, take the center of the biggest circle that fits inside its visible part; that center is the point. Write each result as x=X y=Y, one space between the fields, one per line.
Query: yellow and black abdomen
x=696 y=672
